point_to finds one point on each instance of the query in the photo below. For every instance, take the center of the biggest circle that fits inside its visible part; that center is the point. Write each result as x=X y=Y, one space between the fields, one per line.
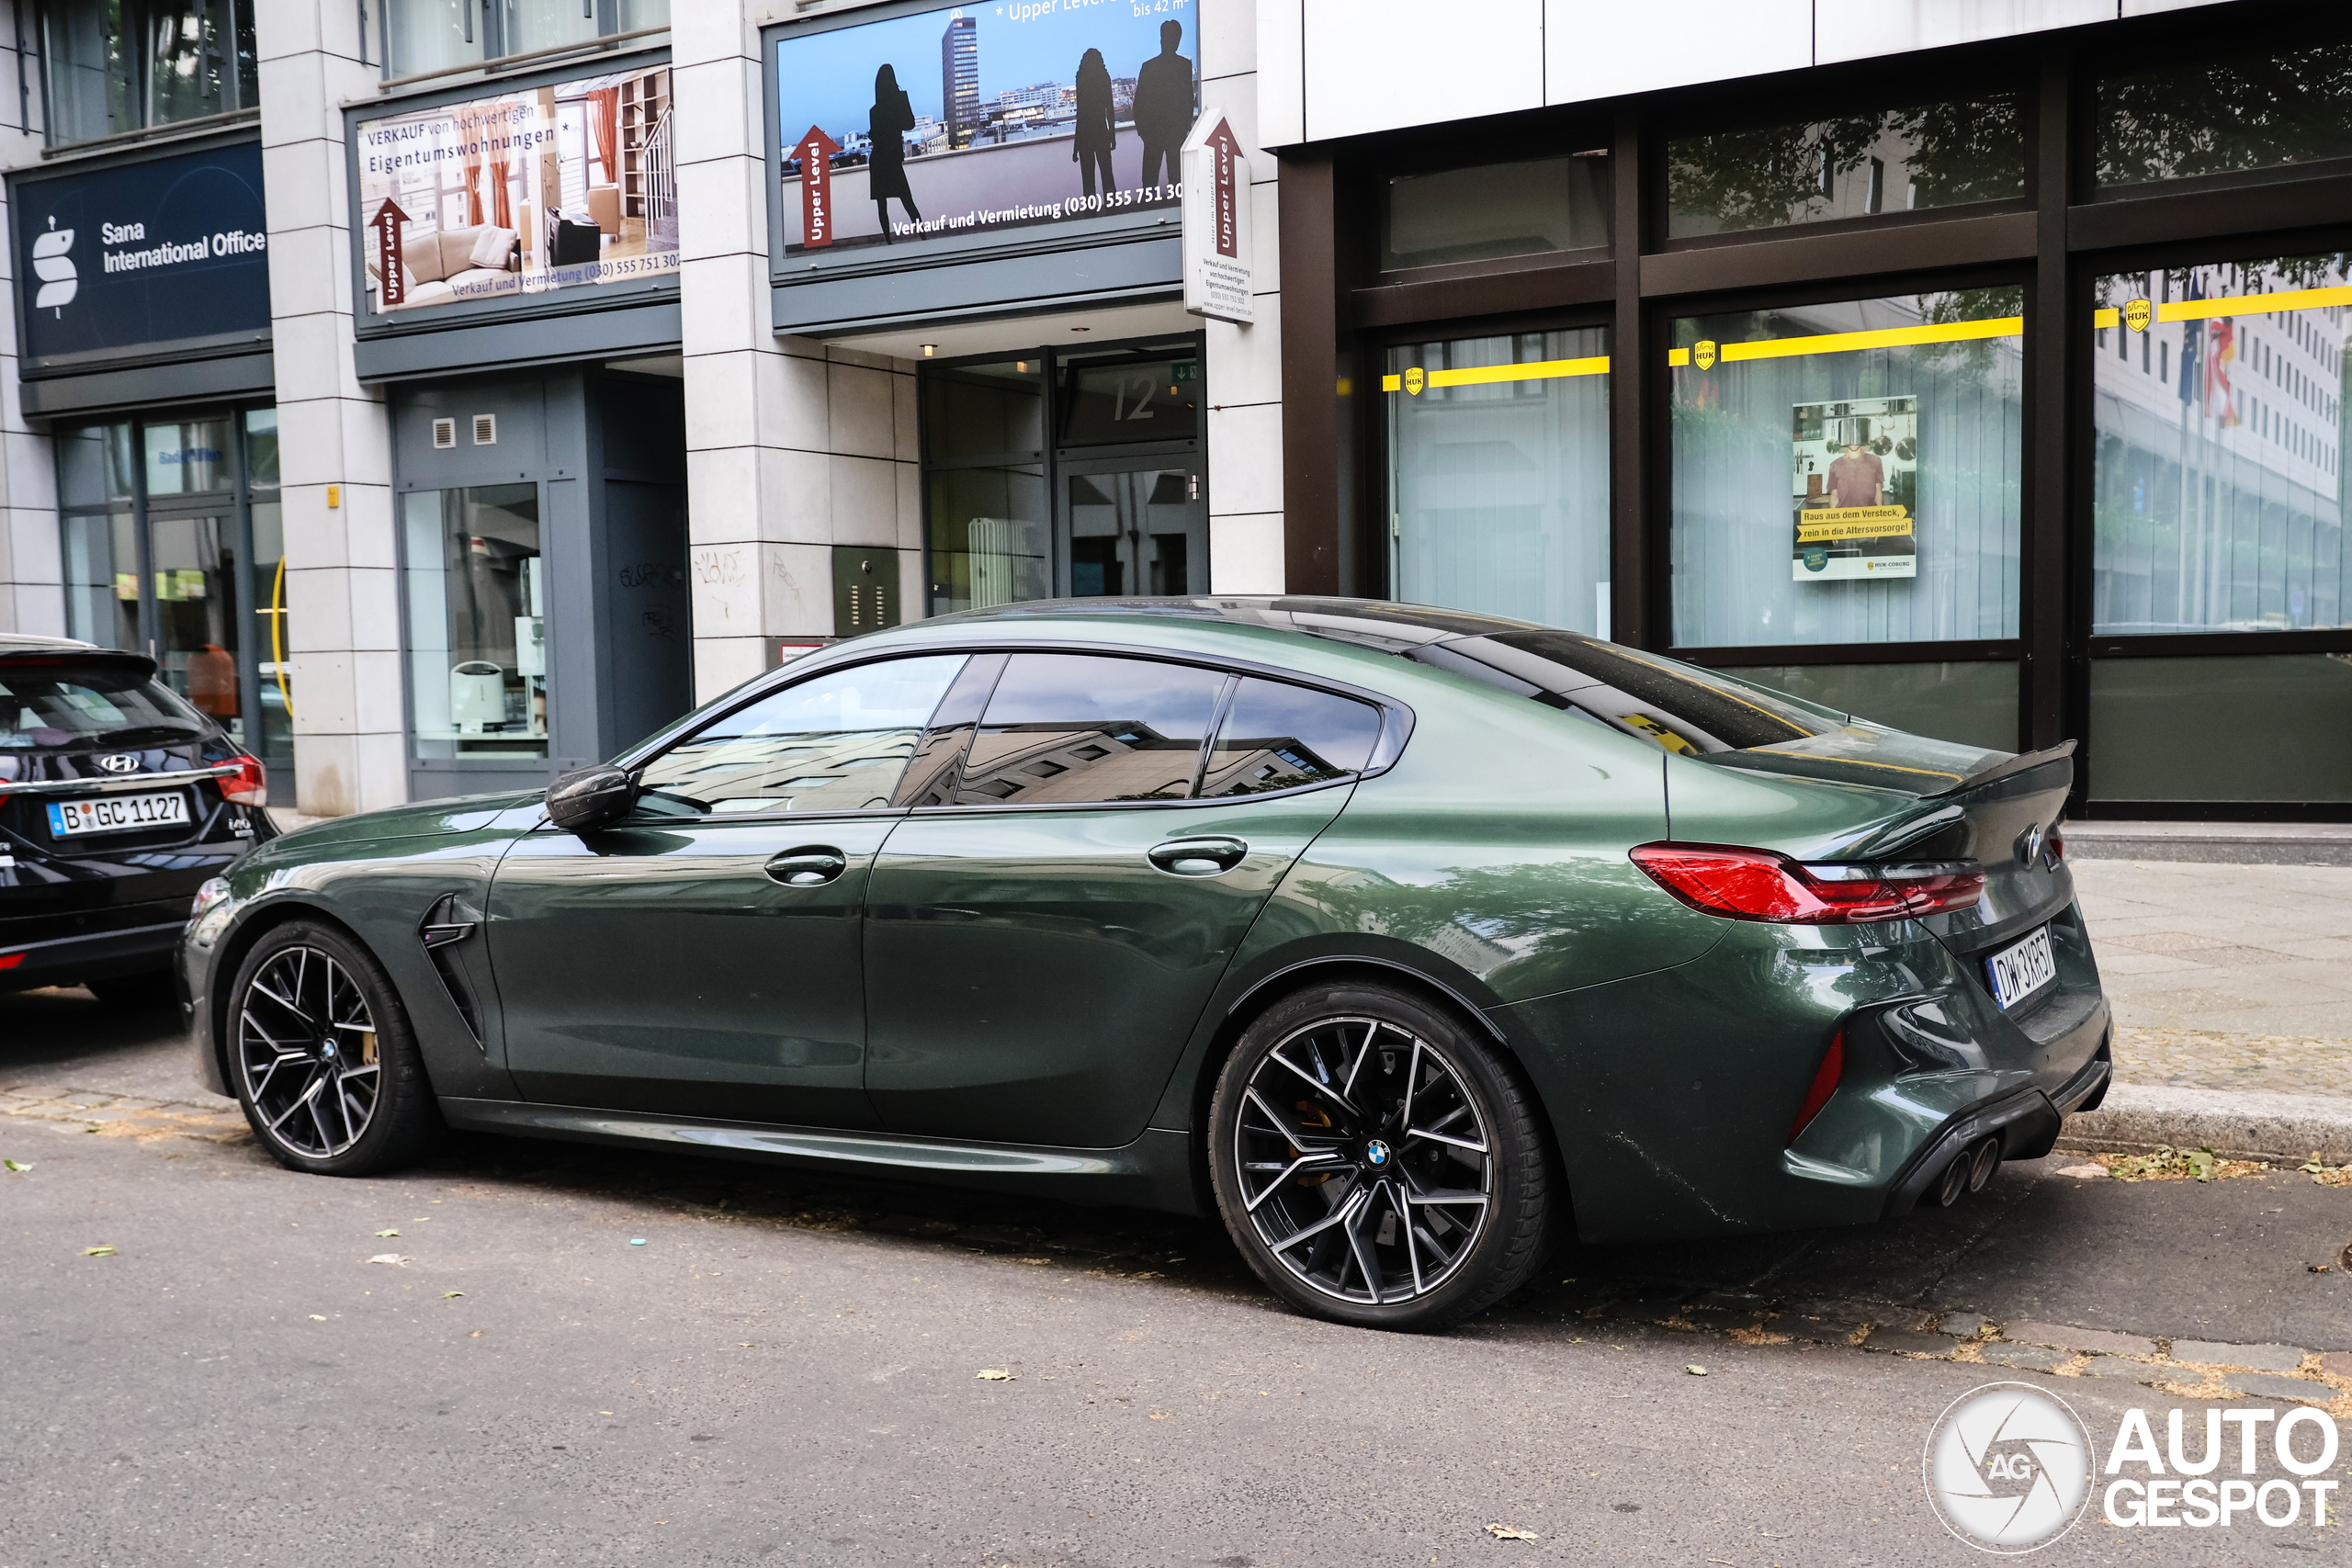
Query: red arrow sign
x=1224 y=148
x=392 y=284
x=815 y=153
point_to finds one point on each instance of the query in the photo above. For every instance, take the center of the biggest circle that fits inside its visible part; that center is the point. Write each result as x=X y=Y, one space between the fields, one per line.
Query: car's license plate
x=117 y=813
x=2021 y=969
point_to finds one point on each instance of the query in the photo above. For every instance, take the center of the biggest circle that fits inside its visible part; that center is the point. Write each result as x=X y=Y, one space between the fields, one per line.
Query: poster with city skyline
x=978 y=117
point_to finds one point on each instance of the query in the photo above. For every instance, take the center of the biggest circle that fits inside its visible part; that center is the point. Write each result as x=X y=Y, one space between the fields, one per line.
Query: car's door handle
x=811 y=866
x=1197 y=857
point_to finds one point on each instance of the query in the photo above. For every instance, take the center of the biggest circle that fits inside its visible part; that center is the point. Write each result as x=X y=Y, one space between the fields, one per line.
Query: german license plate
x=117 y=814
x=2021 y=969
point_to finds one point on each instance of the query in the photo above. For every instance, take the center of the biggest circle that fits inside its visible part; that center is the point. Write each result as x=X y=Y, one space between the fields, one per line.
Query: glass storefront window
x=1497 y=211
x=120 y=65
x=429 y=35
x=1858 y=165
x=989 y=533
x=1973 y=703
x=101 y=561
x=1132 y=400
x=973 y=413
x=476 y=621
x=198 y=621
x=274 y=661
x=1499 y=476
x=2258 y=727
x=2218 y=408
x=93 y=465
x=261 y=448
x=2226 y=115
x=1847 y=472
x=188 y=457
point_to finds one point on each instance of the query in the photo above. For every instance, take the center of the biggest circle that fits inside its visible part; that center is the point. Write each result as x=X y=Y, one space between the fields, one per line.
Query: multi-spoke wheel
x=322 y=1055
x=1374 y=1161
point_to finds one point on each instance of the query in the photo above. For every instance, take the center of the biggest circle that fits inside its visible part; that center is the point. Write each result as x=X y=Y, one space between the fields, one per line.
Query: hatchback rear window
x=1677 y=706
x=49 y=705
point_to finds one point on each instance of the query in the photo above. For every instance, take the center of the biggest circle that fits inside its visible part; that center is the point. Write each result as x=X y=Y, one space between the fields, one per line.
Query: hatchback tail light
x=1756 y=885
x=249 y=785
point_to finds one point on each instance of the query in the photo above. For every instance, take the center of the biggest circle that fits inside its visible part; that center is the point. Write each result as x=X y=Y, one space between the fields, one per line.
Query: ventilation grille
x=485 y=430
x=445 y=434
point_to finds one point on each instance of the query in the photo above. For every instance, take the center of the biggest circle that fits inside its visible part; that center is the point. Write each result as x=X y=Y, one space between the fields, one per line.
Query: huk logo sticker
x=54 y=267
x=2137 y=314
x=1703 y=354
x=1415 y=379
x=2008 y=1468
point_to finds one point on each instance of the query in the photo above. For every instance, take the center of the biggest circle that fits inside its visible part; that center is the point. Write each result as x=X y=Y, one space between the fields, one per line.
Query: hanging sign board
x=1218 y=276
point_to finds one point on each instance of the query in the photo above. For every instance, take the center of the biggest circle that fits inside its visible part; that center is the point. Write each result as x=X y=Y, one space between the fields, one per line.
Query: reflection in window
x=838 y=742
x=476 y=621
x=1132 y=400
x=188 y=456
x=1830 y=487
x=93 y=465
x=2226 y=115
x=1499 y=475
x=1064 y=728
x=988 y=538
x=102 y=581
x=2219 y=495
x=1497 y=211
x=274 y=657
x=1281 y=737
x=122 y=66
x=261 y=448
x=198 y=621
x=1858 y=165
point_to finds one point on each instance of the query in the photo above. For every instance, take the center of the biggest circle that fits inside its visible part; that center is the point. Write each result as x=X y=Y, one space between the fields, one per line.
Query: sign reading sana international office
x=124 y=259
x=976 y=118
x=564 y=186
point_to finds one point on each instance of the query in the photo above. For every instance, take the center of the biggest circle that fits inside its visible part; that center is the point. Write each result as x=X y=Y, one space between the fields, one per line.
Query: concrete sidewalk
x=2233 y=992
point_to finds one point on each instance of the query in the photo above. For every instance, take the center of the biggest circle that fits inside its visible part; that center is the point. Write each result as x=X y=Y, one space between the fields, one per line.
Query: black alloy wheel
x=323 y=1058
x=1375 y=1162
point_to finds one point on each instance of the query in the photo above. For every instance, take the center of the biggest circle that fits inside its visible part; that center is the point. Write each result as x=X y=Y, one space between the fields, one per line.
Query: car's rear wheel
x=1377 y=1162
x=322 y=1056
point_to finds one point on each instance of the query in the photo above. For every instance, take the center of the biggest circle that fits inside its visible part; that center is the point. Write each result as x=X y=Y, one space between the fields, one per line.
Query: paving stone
x=1721 y=1320
x=2263 y=1386
x=1730 y=1301
x=1820 y=1330
x=2125 y=1372
x=2059 y=1335
x=2031 y=1357
x=1963 y=1325
x=1909 y=1339
x=2261 y=1358
x=2336 y=1363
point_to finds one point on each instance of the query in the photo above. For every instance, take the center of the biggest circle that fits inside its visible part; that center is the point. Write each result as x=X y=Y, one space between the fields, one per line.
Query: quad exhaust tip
x=1968 y=1171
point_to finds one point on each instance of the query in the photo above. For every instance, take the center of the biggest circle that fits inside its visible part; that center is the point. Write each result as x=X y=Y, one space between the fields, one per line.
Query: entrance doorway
x=1066 y=474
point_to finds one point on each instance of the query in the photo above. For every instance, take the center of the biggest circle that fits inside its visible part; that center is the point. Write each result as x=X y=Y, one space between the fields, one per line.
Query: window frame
x=140 y=79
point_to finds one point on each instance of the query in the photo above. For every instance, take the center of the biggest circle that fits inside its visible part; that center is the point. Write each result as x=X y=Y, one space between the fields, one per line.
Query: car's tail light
x=2054 y=848
x=249 y=785
x=1756 y=885
x=10 y=960
x=1825 y=1080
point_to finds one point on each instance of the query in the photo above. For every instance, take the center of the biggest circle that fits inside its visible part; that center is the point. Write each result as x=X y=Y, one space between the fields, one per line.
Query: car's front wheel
x=322 y=1056
x=1375 y=1161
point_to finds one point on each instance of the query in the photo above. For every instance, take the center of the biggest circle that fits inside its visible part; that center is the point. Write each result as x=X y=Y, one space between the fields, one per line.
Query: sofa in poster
x=1856 y=470
x=563 y=185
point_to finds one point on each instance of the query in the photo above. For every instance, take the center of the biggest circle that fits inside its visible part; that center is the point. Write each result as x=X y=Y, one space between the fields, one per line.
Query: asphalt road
x=787 y=1368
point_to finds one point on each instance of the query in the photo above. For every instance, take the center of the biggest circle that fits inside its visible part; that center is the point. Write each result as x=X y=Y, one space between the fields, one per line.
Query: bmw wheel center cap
x=1376 y=1153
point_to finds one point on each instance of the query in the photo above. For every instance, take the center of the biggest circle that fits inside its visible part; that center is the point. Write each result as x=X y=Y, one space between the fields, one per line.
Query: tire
x=148 y=990
x=312 y=1006
x=1314 y=1153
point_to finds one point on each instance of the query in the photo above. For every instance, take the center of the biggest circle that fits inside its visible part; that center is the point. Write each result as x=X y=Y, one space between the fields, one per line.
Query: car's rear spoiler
x=2023 y=763
x=134 y=664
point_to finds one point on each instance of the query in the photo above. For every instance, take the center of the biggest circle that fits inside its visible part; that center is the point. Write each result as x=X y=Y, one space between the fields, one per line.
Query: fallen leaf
x=388 y=1232
x=994 y=1375
x=1504 y=1532
x=2084 y=1171
x=475 y=1335
x=1034 y=1262
x=746 y=1344
x=395 y=1258
x=15 y=1165
x=2315 y=1268
x=97 y=1252
x=1162 y=1414
x=451 y=1295
x=318 y=1317
x=1696 y=1370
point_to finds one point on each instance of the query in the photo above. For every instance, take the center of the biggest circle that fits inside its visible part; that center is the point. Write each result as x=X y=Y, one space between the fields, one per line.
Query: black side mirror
x=590 y=797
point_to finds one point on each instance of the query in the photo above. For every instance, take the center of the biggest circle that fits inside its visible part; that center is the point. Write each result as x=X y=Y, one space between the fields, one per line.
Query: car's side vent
x=447 y=926
x=485 y=430
x=445 y=434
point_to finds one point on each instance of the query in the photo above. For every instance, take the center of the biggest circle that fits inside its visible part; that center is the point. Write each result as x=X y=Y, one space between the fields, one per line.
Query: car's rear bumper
x=90 y=955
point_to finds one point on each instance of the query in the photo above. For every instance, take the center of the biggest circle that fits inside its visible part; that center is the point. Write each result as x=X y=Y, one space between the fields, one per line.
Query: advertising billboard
x=571 y=185
x=1857 y=489
x=122 y=260
x=973 y=119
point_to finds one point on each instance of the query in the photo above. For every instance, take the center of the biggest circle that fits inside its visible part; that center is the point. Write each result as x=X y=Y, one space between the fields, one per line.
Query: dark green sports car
x=1402 y=938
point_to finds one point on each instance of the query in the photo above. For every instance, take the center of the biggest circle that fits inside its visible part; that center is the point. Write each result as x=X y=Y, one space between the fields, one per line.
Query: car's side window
x=1280 y=737
x=837 y=743
x=1065 y=729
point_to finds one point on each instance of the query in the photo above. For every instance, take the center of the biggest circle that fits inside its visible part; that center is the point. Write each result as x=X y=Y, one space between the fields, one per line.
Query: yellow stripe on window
x=2106 y=317
x=2252 y=304
x=1489 y=375
x=1884 y=337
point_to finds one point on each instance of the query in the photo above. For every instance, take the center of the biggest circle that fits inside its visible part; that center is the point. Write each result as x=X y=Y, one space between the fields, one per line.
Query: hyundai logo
x=120 y=762
x=1376 y=1153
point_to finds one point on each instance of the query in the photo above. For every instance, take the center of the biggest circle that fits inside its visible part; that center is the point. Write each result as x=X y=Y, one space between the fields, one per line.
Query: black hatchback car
x=117 y=801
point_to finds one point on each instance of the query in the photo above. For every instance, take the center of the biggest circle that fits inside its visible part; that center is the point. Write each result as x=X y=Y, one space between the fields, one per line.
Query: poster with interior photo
x=1857 y=488
x=564 y=186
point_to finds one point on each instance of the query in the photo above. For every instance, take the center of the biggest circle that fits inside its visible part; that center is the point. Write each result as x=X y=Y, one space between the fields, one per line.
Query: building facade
x=1975 y=367
x=450 y=393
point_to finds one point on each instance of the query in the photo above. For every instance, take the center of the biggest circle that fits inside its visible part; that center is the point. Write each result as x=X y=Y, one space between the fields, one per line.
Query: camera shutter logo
x=54 y=267
x=2007 y=1468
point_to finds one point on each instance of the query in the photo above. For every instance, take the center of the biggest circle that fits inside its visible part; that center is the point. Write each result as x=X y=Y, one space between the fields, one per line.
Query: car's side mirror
x=590 y=797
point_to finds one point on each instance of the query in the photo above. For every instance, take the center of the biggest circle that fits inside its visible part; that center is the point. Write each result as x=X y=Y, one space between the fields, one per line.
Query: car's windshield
x=50 y=705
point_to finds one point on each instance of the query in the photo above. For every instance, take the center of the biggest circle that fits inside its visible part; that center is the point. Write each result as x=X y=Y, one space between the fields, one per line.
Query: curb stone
x=2255 y=1124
